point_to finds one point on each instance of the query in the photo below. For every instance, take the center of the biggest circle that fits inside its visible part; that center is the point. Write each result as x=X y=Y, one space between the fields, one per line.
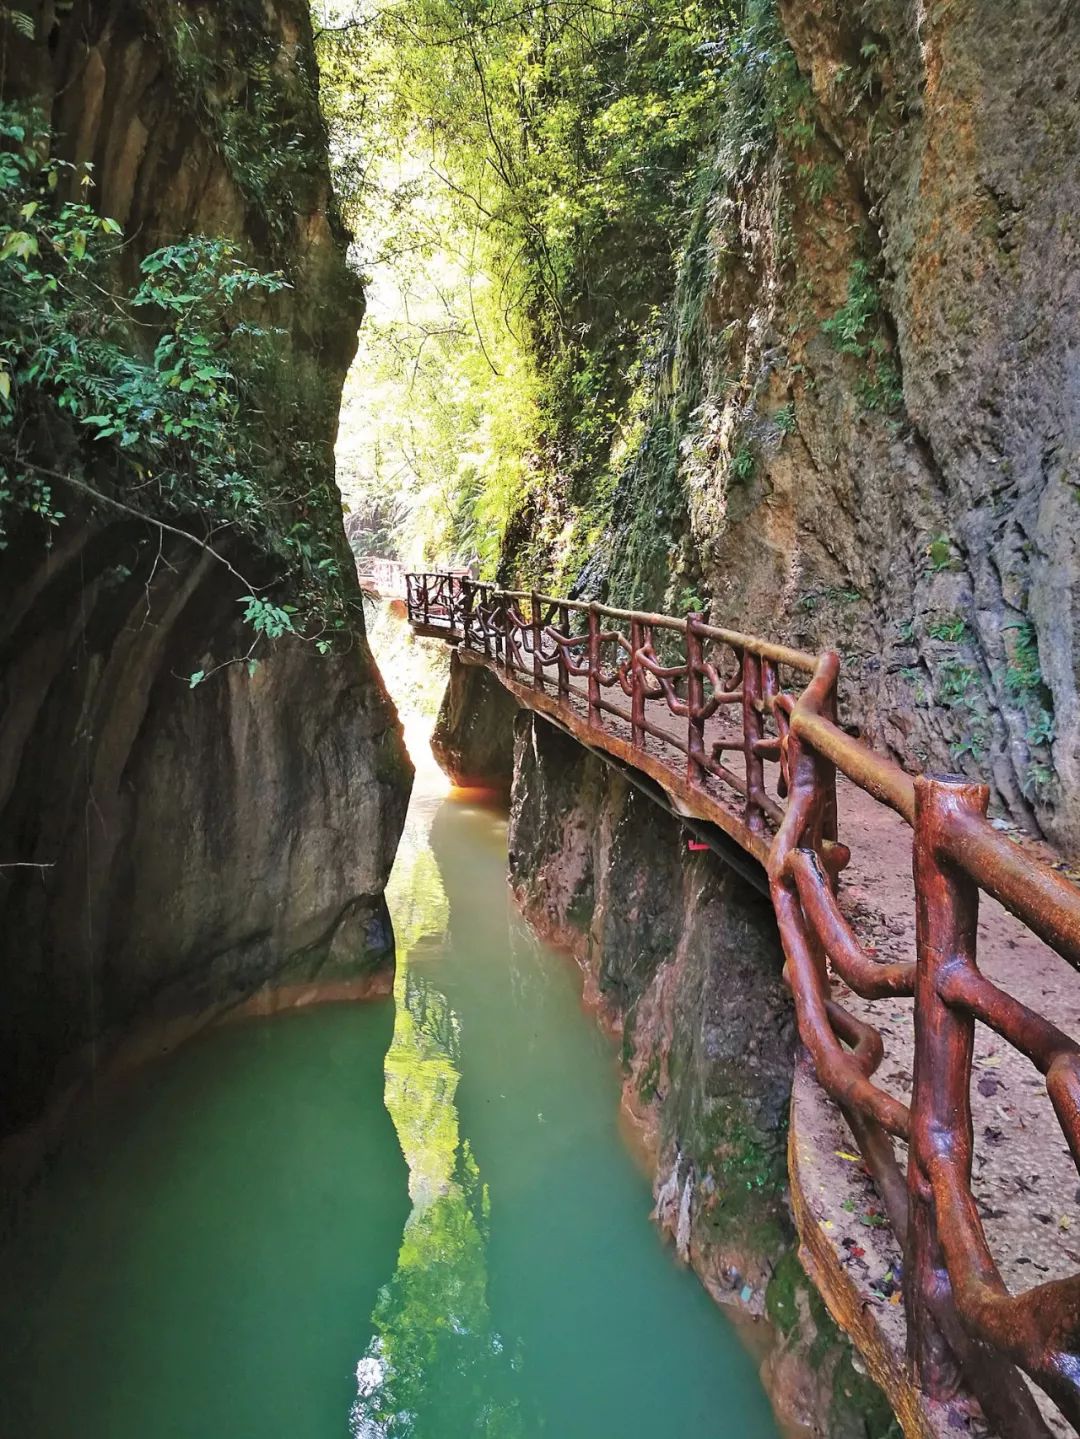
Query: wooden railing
x=678 y=677
x=385 y=576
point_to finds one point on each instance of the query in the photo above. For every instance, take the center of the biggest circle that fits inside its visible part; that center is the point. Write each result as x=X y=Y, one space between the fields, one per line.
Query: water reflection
x=435 y=1364
x=547 y=1306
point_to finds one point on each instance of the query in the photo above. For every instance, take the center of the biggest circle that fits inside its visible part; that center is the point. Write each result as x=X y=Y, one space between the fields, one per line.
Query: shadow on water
x=200 y=1260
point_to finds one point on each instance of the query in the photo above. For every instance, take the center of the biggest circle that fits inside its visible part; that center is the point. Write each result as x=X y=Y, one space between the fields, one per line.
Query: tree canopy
x=520 y=179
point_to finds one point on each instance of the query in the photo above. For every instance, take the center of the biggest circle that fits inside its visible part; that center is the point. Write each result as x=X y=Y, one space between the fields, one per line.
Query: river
x=415 y=1219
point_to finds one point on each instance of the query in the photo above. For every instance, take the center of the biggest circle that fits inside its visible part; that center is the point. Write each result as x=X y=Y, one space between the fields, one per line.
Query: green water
x=248 y=1242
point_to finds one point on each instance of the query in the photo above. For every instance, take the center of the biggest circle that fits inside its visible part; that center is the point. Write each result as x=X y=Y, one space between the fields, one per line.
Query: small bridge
x=743 y=734
x=378 y=576
x=386 y=578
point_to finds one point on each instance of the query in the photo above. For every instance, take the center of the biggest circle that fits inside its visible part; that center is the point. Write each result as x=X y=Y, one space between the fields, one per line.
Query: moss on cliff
x=251 y=84
x=812 y=433
x=854 y=1404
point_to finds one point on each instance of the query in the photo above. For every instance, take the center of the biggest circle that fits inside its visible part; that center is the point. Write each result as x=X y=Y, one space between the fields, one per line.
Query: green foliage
x=1038 y=780
x=954 y=681
x=956 y=688
x=818 y=178
x=975 y=745
x=529 y=185
x=253 y=98
x=1026 y=687
x=1023 y=683
x=856 y=329
x=266 y=618
x=165 y=387
x=19 y=20
x=784 y=419
x=1024 y=674
x=940 y=553
x=950 y=628
x=1041 y=730
x=743 y=464
x=843 y=595
x=849 y=327
x=689 y=602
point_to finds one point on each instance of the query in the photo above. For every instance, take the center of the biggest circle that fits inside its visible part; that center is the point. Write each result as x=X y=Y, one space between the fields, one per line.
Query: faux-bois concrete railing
x=572 y=661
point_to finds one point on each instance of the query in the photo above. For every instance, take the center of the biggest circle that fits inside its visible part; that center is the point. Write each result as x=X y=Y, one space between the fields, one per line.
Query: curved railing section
x=748 y=732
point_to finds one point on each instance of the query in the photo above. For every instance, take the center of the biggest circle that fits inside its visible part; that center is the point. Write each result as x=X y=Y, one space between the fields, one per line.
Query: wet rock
x=473 y=739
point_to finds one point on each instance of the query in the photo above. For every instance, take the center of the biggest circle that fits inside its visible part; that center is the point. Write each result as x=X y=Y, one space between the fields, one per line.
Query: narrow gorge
x=538 y=691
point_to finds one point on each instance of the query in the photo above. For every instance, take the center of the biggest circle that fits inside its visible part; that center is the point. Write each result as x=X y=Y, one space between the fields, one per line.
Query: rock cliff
x=168 y=848
x=473 y=735
x=859 y=427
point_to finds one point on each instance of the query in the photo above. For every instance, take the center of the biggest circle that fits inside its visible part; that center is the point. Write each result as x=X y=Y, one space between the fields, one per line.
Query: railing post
x=537 y=664
x=509 y=646
x=770 y=688
x=425 y=596
x=496 y=626
x=506 y=627
x=564 y=673
x=830 y=822
x=637 y=686
x=594 y=666
x=468 y=601
x=695 y=702
x=483 y=611
x=770 y=684
x=753 y=731
x=946 y=918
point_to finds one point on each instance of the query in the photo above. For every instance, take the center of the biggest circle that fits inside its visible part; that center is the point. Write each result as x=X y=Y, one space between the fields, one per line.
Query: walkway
x=741 y=734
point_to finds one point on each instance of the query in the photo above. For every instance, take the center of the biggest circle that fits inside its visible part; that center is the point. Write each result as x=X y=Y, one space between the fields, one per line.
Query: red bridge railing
x=778 y=706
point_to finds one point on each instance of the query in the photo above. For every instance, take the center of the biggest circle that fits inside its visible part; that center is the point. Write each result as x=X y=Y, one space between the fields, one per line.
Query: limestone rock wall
x=164 y=848
x=859 y=427
x=473 y=736
x=933 y=542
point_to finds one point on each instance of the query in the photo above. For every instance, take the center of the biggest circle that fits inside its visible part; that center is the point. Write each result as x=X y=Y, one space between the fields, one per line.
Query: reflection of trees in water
x=432 y=1015
x=435 y=1366
x=421 y=1080
x=415 y=893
